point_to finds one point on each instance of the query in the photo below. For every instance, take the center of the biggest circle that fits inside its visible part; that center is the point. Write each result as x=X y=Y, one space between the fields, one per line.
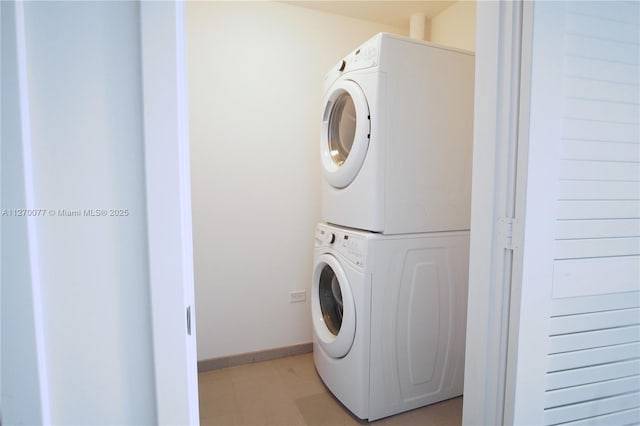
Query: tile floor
x=288 y=391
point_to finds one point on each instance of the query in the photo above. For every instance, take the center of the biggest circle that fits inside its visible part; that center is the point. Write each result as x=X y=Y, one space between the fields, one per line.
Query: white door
x=565 y=323
x=97 y=261
x=345 y=134
x=576 y=319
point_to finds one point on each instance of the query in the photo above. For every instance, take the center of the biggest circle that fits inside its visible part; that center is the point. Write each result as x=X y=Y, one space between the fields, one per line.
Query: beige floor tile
x=296 y=367
x=446 y=413
x=222 y=404
x=289 y=392
x=261 y=392
x=324 y=410
x=215 y=383
x=282 y=414
x=299 y=376
x=224 y=420
x=256 y=371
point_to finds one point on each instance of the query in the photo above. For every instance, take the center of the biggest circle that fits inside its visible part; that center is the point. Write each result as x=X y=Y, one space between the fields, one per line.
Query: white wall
x=456 y=26
x=85 y=110
x=255 y=72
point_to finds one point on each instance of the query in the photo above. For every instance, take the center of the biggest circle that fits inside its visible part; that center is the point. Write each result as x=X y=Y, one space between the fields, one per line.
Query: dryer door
x=346 y=127
x=332 y=307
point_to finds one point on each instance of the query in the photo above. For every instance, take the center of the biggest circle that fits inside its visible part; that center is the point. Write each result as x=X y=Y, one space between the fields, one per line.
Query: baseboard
x=251 y=357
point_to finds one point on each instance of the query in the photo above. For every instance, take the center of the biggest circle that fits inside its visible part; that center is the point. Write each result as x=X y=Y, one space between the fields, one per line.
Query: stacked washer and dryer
x=389 y=286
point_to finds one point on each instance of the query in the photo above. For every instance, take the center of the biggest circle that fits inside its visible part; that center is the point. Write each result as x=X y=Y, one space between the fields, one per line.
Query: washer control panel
x=352 y=246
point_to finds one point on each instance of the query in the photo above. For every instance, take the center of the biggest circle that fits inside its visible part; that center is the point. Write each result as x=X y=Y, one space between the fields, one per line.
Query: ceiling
x=390 y=12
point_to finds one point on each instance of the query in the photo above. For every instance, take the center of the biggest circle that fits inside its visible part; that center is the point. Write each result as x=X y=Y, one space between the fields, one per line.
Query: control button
x=332 y=238
x=342 y=66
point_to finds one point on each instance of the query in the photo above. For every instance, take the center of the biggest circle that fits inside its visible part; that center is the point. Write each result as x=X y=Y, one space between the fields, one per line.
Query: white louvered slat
x=593 y=339
x=591 y=391
x=620 y=418
x=595 y=302
x=589 y=109
x=596 y=48
x=593 y=408
x=601 y=247
x=596 y=373
x=572 y=229
x=582 y=129
x=597 y=69
x=600 y=170
x=596 y=356
x=624 y=12
x=598 y=190
x=600 y=150
x=601 y=28
x=598 y=209
x=574 y=278
x=593 y=321
x=601 y=90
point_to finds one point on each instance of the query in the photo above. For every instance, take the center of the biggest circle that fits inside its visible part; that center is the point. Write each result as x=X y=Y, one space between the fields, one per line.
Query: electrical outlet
x=297 y=296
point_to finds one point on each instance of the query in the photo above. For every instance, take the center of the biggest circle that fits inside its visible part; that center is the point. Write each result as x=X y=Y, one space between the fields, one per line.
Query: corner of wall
x=456 y=26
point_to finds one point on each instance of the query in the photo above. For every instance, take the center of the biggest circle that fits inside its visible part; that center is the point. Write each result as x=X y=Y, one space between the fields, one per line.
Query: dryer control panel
x=365 y=56
x=350 y=245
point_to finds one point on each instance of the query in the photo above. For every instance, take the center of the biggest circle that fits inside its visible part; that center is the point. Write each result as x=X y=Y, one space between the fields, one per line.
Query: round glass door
x=345 y=133
x=332 y=307
x=331 y=304
x=342 y=128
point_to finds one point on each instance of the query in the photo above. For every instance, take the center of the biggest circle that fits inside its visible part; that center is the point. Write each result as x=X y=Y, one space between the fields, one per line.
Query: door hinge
x=189 y=320
x=509 y=233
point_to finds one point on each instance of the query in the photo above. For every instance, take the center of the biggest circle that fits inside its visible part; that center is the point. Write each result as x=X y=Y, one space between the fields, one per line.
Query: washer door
x=346 y=127
x=332 y=307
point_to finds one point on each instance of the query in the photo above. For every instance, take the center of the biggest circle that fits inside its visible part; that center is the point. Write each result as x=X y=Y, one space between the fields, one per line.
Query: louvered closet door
x=579 y=314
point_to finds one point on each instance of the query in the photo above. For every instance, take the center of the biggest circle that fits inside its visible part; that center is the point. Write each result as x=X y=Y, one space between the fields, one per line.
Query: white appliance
x=396 y=137
x=389 y=317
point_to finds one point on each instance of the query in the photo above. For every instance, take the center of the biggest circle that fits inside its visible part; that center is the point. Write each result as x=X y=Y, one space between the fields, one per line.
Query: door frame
x=168 y=188
x=499 y=187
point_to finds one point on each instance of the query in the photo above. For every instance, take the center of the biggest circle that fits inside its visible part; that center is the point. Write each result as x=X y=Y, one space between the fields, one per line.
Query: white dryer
x=396 y=138
x=389 y=317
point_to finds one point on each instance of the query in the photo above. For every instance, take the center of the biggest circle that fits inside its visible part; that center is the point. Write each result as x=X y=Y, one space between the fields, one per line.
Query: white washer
x=396 y=137
x=389 y=317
